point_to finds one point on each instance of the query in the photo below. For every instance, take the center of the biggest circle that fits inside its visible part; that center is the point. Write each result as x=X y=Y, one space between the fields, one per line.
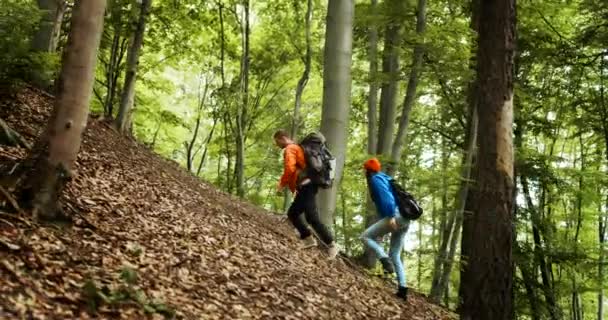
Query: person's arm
x=289 y=166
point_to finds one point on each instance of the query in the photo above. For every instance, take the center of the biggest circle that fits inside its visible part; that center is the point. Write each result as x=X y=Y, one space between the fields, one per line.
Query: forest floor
x=149 y=240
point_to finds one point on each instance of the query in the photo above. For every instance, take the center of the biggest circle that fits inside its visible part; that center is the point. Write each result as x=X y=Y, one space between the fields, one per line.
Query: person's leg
x=396 y=246
x=376 y=230
x=295 y=215
x=309 y=193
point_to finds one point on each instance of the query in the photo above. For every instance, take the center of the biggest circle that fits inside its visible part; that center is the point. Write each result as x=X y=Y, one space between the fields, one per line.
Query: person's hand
x=393 y=224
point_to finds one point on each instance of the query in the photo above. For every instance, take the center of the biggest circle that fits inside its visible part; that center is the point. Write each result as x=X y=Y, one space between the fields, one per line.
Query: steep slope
x=150 y=240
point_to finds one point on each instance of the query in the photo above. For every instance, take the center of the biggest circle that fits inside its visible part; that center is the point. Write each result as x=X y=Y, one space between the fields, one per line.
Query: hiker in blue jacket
x=390 y=222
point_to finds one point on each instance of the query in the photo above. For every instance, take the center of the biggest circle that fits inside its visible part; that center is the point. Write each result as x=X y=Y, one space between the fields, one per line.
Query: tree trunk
x=391 y=72
x=190 y=146
x=602 y=217
x=540 y=254
x=454 y=225
x=410 y=95
x=300 y=89
x=487 y=280
x=117 y=50
x=128 y=90
x=207 y=141
x=336 y=93
x=241 y=117
x=529 y=282
x=56 y=151
x=419 y=255
x=468 y=154
x=368 y=259
x=155 y=136
x=49 y=28
x=372 y=98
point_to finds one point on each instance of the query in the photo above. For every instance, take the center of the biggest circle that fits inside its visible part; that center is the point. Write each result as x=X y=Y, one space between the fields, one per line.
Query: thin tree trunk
x=539 y=253
x=391 y=72
x=58 y=147
x=46 y=37
x=372 y=98
x=305 y=74
x=336 y=93
x=344 y=223
x=300 y=88
x=241 y=117
x=445 y=225
x=49 y=28
x=528 y=282
x=190 y=146
x=153 y=143
x=368 y=259
x=113 y=66
x=419 y=255
x=410 y=95
x=487 y=277
x=603 y=220
x=603 y=216
x=128 y=91
x=454 y=225
x=207 y=141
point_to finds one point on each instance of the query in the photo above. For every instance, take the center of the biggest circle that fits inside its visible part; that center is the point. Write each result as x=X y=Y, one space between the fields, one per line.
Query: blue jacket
x=382 y=195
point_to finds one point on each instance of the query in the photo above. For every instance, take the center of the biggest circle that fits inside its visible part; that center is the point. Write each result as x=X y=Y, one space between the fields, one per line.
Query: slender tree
x=336 y=93
x=128 y=91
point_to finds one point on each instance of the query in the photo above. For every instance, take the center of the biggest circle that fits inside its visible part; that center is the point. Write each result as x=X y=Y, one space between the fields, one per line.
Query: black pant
x=305 y=203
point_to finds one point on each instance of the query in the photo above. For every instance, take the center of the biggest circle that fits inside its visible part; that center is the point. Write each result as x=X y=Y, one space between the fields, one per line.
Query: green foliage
x=18 y=21
x=126 y=292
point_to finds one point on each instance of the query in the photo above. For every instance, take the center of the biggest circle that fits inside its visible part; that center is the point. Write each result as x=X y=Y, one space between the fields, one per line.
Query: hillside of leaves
x=147 y=239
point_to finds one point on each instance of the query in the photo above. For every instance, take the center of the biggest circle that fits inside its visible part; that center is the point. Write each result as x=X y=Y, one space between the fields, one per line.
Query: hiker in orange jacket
x=295 y=179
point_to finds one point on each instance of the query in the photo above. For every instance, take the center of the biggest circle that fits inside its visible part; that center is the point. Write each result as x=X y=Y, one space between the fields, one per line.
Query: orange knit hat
x=372 y=165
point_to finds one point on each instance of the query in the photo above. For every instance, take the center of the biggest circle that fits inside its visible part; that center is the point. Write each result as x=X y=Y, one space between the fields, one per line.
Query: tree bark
x=49 y=28
x=368 y=259
x=447 y=250
x=410 y=95
x=190 y=146
x=529 y=283
x=55 y=153
x=117 y=50
x=390 y=70
x=603 y=220
x=540 y=254
x=241 y=117
x=603 y=216
x=372 y=98
x=336 y=93
x=128 y=90
x=300 y=88
x=487 y=277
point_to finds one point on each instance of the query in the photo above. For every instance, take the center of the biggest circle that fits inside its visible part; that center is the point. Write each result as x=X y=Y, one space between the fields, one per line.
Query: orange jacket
x=294 y=164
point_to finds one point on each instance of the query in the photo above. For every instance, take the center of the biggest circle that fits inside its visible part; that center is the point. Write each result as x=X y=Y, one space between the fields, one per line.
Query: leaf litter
x=149 y=240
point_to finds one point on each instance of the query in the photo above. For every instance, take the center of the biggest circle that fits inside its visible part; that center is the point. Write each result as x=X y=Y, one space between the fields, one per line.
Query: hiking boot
x=387 y=265
x=402 y=293
x=309 y=242
x=332 y=251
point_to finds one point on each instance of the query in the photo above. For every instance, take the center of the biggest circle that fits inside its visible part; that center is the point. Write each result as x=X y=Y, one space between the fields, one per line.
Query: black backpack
x=320 y=163
x=408 y=207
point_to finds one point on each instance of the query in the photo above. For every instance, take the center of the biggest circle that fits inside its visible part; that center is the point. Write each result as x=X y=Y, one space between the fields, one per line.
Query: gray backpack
x=320 y=163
